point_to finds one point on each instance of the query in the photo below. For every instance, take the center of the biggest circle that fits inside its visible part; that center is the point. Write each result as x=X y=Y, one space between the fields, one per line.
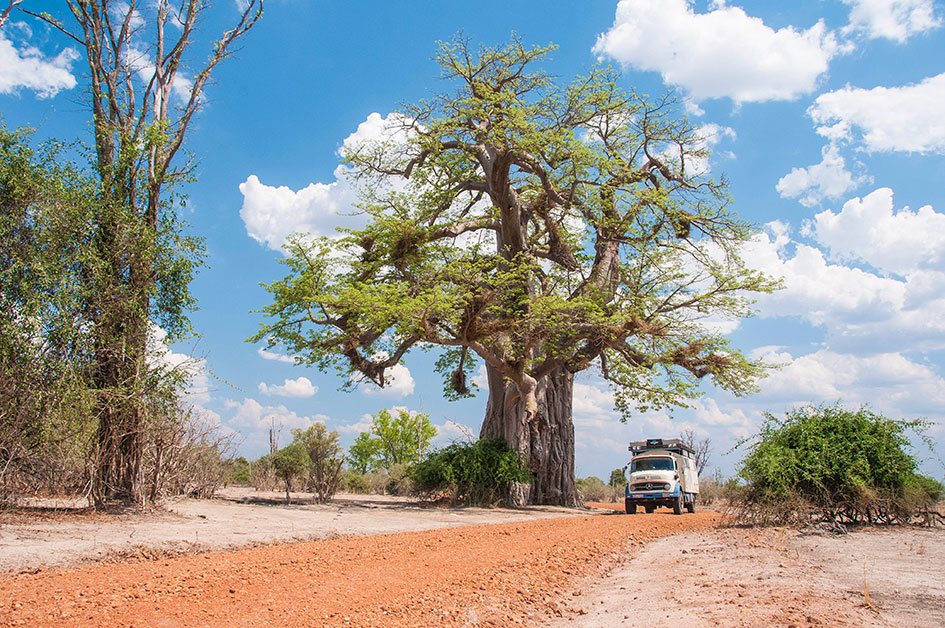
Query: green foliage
x=473 y=473
x=46 y=405
x=75 y=332
x=618 y=477
x=364 y=452
x=928 y=489
x=535 y=225
x=394 y=439
x=290 y=463
x=323 y=460
x=831 y=461
x=238 y=471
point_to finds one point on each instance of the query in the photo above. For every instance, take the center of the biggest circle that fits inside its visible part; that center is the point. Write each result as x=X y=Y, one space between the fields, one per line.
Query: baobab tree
x=538 y=228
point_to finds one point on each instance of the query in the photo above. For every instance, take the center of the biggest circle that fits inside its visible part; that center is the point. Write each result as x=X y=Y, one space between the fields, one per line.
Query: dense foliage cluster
x=57 y=290
x=828 y=461
x=471 y=473
x=398 y=438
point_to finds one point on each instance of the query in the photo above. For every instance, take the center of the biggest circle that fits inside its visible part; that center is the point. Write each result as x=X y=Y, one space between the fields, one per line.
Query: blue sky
x=825 y=116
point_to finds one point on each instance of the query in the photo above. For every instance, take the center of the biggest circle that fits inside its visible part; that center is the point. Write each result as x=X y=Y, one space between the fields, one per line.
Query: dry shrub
x=593 y=489
x=354 y=482
x=187 y=455
x=377 y=482
x=262 y=476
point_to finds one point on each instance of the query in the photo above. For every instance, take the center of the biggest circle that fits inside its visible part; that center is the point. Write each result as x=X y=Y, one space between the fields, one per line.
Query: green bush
x=354 y=482
x=830 y=462
x=927 y=488
x=471 y=473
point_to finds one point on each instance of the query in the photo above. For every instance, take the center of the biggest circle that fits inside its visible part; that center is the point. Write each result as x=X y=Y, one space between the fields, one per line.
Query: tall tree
x=399 y=438
x=542 y=229
x=142 y=101
x=45 y=210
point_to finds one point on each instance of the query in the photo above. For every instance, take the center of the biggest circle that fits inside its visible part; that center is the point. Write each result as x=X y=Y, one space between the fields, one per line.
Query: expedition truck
x=661 y=473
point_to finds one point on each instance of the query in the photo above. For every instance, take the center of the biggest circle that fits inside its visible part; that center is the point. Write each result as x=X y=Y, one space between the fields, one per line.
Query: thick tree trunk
x=120 y=439
x=545 y=437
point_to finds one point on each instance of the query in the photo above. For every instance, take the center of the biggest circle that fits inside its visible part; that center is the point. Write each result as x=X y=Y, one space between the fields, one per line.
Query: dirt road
x=505 y=574
x=61 y=533
x=318 y=565
x=759 y=578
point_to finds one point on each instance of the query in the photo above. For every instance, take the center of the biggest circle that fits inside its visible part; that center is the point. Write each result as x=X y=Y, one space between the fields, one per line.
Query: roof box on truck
x=674 y=445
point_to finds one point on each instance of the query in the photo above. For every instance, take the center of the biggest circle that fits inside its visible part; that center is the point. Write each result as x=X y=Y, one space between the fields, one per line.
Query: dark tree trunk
x=545 y=437
x=120 y=438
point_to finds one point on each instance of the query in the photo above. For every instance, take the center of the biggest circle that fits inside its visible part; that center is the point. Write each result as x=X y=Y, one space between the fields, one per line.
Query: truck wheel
x=630 y=507
x=650 y=509
x=678 y=504
x=691 y=506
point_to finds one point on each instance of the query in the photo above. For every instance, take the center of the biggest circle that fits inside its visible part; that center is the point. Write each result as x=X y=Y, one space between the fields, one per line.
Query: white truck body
x=661 y=473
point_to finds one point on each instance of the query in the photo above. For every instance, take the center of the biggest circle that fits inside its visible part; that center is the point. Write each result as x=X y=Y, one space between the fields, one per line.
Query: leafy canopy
x=533 y=225
x=474 y=473
x=394 y=438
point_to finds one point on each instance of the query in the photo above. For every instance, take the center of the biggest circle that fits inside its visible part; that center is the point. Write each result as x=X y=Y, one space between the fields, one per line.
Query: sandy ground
x=55 y=534
x=497 y=575
x=453 y=567
x=735 y=577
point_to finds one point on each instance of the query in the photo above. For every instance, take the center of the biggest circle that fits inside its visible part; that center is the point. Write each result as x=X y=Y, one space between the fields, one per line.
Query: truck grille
x=650 y=486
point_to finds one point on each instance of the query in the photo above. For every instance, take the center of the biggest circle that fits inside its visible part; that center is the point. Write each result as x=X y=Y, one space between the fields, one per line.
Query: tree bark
x=545 y=437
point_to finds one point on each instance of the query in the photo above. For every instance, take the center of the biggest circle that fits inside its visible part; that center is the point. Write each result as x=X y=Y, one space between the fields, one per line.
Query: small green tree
x=828 y=461
x=394 y=439
x=617 y=478
x=324 y=460
x=289 y=463
x=362 y=455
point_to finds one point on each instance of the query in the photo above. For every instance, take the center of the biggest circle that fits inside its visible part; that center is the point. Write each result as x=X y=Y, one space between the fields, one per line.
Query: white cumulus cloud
x=821 y=292
x=272 y=355
x=889 y=381
x=26 y=67
x=869 y=229
x=891 y=19
x=251 y=414
x=859 y=309
x=884 y=119
x=828 y=179
x=272 y=213
x=398 y=383
x=723 y=53
x=300 y=387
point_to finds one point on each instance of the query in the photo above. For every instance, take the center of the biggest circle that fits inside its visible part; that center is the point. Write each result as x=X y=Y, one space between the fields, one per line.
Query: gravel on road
x=507 y=574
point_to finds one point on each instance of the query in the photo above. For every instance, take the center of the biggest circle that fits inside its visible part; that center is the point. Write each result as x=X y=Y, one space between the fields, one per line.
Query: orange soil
x=491 y=575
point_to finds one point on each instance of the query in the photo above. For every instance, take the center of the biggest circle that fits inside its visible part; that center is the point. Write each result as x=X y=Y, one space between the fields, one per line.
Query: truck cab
x=662 y=472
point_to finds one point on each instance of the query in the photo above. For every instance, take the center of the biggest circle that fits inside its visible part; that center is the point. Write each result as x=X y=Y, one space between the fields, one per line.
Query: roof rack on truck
x=666 y=444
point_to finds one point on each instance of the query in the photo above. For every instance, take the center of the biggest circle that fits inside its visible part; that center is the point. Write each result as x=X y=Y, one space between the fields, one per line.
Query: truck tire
x=691 y=505
x=678 y=504
x=630 y=507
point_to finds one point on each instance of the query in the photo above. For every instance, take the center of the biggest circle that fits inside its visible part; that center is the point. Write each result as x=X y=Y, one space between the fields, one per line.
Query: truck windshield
x=652 y=464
